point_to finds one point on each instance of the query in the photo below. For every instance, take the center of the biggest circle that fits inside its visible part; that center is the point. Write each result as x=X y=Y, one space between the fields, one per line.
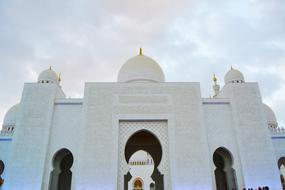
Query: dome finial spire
x=140 y=53
x=59 y=77
x=214 y=78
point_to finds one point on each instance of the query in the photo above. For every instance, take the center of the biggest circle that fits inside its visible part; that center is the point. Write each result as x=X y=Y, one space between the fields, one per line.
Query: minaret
x=216 y=86
x=35 y=117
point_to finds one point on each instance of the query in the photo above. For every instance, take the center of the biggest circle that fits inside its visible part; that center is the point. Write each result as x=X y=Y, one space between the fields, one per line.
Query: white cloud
x=90 y=40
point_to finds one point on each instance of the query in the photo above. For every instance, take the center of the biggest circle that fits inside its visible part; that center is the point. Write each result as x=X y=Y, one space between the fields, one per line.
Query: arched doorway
x=281 y=166
x=146 y=141
x=61 y=175
x=2 y=167
x=224 y=173
x=138 y=184
x=141 y=167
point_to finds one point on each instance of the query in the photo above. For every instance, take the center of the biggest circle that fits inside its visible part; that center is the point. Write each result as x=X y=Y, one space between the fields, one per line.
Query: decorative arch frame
x=157 y=160
x=159 y=129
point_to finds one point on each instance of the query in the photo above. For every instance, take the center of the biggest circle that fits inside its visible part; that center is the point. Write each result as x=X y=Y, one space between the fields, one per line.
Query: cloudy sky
x=89 y=40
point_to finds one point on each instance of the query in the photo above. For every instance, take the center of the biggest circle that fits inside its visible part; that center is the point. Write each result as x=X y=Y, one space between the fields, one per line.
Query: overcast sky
x=89 y=40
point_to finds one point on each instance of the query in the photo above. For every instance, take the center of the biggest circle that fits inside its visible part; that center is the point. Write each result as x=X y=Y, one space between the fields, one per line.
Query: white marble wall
x=89 y=128
x=5 y=154
x=221 y=133
x=64 y=134
x=105 y=104
x=254 y=143
x=279 y=146
x=31 y=137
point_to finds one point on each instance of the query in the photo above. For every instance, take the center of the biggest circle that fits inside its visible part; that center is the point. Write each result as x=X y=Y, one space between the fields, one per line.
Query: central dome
x=141 y=69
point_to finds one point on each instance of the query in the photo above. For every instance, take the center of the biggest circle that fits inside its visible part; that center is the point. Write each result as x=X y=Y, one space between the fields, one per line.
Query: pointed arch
x=61 y=175
x=138 y=184
x=147 y=141
x=144 y=140
x=224 y=171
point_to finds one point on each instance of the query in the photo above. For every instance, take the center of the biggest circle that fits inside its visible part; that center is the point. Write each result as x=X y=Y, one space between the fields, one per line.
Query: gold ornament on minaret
x=216 y=86
x=214 y=78
x=59 y=77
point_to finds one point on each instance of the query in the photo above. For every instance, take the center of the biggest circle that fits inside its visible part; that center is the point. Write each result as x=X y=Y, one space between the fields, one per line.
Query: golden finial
x=214 y=78
x=216 y=86
x=59 y=77
x=140 y=53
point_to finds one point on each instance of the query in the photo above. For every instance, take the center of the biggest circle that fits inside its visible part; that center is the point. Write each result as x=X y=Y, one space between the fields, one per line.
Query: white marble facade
x=229 y=141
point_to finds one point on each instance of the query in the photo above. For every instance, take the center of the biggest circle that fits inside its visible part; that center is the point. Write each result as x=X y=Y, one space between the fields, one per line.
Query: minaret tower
x=32 y=136
x=216 y=86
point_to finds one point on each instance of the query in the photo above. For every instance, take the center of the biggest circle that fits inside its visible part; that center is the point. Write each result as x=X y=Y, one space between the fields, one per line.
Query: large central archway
x=145 y=140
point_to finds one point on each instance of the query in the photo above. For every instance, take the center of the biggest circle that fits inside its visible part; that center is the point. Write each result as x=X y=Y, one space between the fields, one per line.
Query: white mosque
x=141 y=133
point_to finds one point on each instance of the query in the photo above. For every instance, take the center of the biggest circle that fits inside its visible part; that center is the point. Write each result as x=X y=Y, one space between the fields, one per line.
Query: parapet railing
x=141 y=163
x=6 y=133
x=280 y=131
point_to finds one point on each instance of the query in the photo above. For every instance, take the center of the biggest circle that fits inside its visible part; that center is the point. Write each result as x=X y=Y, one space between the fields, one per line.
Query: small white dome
x=11 y=116
x=270 y=116
x=48 y=76
x=141 y=69
x=234 y=76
